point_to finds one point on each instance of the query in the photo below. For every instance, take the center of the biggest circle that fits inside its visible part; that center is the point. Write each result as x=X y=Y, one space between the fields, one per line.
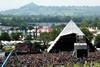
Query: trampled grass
x=87 y=65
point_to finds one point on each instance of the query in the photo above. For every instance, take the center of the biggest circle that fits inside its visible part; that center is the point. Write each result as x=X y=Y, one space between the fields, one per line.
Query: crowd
x=39 y=60
x=94 y=56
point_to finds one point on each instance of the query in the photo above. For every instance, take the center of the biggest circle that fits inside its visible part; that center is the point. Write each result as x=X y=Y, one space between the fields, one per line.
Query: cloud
x=13 y=4
x=68 y=2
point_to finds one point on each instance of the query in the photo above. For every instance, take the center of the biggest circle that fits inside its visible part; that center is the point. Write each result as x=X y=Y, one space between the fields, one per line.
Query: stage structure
x=70 y=39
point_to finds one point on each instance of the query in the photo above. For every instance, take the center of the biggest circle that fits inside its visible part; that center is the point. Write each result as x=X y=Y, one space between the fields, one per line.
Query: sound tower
x=80 y=47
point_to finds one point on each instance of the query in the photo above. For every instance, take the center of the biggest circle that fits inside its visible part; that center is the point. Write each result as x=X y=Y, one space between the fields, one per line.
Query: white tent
x=70 y=28
x=10 y=42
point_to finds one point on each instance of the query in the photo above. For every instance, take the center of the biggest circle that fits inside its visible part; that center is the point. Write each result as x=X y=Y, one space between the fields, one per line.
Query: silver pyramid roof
x=71 y=27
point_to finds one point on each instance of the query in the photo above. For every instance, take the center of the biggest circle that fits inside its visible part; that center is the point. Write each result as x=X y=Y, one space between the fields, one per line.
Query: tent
x=66 y=39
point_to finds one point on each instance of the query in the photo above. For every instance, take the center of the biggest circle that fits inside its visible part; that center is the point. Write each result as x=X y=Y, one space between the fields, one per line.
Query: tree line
x=23 y=21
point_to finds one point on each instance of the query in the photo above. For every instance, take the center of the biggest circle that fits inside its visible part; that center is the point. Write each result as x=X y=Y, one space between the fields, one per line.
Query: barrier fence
x=5 y=61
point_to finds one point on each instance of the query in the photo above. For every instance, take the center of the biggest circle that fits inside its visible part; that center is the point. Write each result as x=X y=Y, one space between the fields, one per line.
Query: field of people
x=62 y=59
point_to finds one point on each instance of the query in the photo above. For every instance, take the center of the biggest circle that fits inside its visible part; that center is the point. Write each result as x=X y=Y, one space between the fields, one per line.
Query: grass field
x=87 y=65
x=75 y=65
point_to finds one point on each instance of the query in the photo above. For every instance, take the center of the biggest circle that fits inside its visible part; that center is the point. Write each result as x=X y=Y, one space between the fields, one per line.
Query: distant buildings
x=93 y=29
x=45 y=29
x=39 y=29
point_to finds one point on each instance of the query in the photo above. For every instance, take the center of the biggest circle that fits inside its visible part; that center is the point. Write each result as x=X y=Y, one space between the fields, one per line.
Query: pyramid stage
x=71 y=39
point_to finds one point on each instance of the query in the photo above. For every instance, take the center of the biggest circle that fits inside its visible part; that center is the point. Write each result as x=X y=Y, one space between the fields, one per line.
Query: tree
x=30 y=45
x=34 y=47
x=84 y=23
x=28 y=37
x=54 y=34
x=98 y=24
x=1 y=46
x=97 y=41
x=23 y=25
x=30 y=27
x=5 y=36
x=16 y=35
x=97 y=38
x=45 y=37
x=37 y=46
x=87 y=33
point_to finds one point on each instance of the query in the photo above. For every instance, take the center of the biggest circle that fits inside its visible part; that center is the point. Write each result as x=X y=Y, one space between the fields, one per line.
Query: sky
x=14 y=4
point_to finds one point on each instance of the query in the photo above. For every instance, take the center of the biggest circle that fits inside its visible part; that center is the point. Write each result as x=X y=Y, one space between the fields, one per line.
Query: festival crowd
x=39 y=60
